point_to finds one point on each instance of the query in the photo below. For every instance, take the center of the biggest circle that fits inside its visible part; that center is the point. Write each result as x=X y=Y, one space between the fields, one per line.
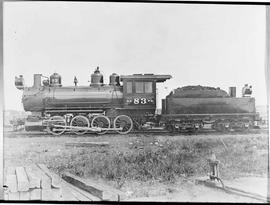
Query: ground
x=150 y=167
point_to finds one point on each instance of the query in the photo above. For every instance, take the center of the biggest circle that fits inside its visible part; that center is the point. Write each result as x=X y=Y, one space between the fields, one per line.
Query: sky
x=211 y=45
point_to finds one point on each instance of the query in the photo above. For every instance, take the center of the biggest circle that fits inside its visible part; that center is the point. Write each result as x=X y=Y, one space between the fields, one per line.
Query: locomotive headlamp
x=19 y=82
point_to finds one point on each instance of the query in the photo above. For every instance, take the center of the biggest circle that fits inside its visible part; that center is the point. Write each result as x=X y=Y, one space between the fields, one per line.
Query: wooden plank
x=34 y=179
x=13 y=196
x=35 y=194
x=86 y=194
x=12 y=188
x=80 y=194
x=86 y=144
x=97 y=190
x=56 y=181
x=6 y=195
x=23 y=183
x=24 y=195
x=67 y=195
x=46 y=194
x=46 y=181
x=11 y=181
x=10 y=170
x=51 y=194
x=76 y=181
x=56 y=194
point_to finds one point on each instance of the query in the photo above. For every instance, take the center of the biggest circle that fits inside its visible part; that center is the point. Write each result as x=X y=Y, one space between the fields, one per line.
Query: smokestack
x=37 y=80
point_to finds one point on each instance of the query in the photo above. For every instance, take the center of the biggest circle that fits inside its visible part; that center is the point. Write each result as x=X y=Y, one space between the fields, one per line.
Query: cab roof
x=147 y=76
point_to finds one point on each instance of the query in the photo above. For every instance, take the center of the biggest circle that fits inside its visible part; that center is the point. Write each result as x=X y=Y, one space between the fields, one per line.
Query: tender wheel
x=54 y=125
x=124 y=122
x=79 y=121
x=101 y=121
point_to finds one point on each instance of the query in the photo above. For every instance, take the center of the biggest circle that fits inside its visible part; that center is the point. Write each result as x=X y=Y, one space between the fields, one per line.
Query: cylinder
x=232 y=92
x=37 y=80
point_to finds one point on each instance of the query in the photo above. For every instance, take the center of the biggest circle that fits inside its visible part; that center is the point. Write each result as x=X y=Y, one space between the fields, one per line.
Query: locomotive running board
x=94 y=129
x=68 y=111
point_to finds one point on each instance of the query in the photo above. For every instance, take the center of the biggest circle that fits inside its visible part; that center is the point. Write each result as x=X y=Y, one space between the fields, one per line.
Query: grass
x=166 y=160
x=143 y=158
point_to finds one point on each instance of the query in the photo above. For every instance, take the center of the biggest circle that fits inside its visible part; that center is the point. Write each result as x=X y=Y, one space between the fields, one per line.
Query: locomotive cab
x=139 y=91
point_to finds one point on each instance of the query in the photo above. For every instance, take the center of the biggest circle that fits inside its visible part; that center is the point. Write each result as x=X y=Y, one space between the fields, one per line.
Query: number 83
x=140 y=101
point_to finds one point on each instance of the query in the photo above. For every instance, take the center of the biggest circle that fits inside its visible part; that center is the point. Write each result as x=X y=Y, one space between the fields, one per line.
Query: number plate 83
x=137 y=101
x=142 y=101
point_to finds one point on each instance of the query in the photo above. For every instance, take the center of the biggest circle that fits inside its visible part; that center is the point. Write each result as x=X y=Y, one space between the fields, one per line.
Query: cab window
x=148 y=87
x=129 y=87
x=139 y=87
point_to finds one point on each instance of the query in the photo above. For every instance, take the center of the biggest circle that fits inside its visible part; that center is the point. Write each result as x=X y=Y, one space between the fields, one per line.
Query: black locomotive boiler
x=128 y=103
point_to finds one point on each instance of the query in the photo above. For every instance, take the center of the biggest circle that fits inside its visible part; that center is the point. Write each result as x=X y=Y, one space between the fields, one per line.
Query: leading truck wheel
x=124 y=122
x=80 y=122
x=101 y=121
x=56 y=125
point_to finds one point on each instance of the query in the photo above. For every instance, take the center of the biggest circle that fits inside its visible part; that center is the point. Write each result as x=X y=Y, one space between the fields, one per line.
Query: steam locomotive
x=128 y=103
